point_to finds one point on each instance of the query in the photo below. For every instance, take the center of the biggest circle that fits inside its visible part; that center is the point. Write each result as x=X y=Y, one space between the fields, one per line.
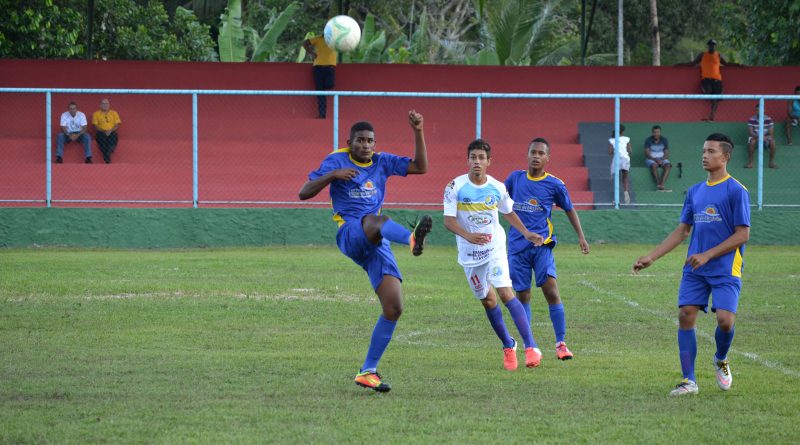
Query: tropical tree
x=40 y=29
x=767 y=32
x=235 y=39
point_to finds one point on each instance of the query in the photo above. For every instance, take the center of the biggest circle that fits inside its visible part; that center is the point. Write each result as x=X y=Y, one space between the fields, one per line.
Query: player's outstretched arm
x=420 y=163
x=572 y=215
x=517 y=223
x=740 y=236
x=672 y=241
x=312 y=187
x=451 y=223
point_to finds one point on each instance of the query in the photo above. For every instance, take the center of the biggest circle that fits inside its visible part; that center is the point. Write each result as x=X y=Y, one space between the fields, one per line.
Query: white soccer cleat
x=686 y=386
x=724 y=376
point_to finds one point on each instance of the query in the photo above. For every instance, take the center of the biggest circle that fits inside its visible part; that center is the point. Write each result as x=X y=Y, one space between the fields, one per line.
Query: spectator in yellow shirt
x=324 y=68
x=106 y=121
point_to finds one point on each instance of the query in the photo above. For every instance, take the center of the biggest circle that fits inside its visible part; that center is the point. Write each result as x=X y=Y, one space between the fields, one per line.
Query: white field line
x=665 y=316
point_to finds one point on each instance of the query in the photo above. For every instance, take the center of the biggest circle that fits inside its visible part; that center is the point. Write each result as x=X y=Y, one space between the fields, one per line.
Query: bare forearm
x=572 y=215
x=672 y=241
x=451 y=224
x=515 y=222
x=312 y=188
x=420 y=163
x=738 y=238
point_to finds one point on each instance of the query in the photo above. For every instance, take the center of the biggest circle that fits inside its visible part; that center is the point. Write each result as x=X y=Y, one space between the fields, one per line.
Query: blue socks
x=687 y=350
x=496 y=320
x=559 y=321
x=395 y=232
x=527 y=307
x=381 y=336
x=724 y=340
x=522 y=322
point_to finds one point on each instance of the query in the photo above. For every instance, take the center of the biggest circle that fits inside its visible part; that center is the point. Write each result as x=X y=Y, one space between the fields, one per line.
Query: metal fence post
x=760 y=192
x=335 y=122
x=195 y=197
x=616 y=153
x=478 y=106
x=48 y=144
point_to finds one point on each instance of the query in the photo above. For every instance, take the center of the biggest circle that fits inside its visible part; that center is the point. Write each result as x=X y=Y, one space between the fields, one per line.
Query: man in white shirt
x=73 y=129
x=624 y=151
x=471 y=204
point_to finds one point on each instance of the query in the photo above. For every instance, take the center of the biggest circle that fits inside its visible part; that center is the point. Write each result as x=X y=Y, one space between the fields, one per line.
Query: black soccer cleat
x=421 y=229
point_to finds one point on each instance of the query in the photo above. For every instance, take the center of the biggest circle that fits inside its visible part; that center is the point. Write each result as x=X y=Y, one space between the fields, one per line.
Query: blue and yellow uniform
x=714 y=210
x=533 y=203
x=358 y=197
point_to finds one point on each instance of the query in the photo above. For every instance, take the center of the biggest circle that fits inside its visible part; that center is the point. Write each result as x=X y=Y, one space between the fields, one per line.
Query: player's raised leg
x=378 y=227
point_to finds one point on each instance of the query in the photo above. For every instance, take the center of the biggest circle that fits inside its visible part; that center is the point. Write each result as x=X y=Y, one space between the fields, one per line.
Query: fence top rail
x=483 y=95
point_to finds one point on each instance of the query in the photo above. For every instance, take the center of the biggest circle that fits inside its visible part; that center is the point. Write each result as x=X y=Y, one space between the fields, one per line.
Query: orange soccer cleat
x=373 y=381
x=562 y=353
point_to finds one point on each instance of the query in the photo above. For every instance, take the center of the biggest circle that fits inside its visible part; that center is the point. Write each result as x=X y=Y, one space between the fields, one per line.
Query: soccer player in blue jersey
x=717 y=214
x=471 y=205
x=534 y=192
x=357 y=177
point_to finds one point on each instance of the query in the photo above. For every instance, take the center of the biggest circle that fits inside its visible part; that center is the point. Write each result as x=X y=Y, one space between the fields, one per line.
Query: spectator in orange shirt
x=106 y=121
x=710 y=75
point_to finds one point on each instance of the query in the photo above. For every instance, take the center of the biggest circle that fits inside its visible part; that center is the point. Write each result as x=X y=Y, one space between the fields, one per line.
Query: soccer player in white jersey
x=717 y=213
x=535 y=192
x=471 y=204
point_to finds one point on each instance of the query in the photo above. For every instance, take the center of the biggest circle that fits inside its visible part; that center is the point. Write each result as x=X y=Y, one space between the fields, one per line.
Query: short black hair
x=656 y=127
x=621 y=129
x=480 y=144
x=71 y=103
x=541 y=141
x=361 y=126
x=725 y=141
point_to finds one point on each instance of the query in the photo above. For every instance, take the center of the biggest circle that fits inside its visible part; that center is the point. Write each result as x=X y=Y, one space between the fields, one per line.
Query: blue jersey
x=533 y=203
x=715 y=210
x=362 y=195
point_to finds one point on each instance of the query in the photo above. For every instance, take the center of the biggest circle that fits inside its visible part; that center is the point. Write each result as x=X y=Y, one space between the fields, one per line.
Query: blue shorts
x=539 y=259
x=695 y=291
x=376 y=260
x=650 y=162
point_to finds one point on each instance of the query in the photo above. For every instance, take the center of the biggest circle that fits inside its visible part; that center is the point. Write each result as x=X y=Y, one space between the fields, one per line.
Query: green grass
x=261 y=346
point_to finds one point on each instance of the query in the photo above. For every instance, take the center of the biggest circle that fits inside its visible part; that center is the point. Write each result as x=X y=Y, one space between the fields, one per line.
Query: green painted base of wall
x=183 y=228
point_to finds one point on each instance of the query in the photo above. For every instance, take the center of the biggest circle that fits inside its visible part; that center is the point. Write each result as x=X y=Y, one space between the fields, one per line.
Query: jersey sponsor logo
x=496 y=271
x=478 y=255
x=480 y=219
x=528 y=205
x=490 y=200
x=366 y=190
x=708 y=215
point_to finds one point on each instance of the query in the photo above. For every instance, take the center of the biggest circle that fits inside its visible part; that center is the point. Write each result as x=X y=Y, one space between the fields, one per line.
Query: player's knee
x=393 y=311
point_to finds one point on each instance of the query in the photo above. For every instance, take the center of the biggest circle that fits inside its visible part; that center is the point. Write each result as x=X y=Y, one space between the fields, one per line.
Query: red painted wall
x=385 y=77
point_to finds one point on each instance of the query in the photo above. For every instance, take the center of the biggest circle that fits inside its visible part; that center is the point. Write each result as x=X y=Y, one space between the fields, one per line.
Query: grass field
x=261 y=346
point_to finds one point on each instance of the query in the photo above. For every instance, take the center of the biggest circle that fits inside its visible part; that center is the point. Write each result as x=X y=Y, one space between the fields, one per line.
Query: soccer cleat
x=686 y=386
x=724 y=376
x=533 y=357
x=510 y=357
x=562 y=353
x=421 y=229
x=372 y=380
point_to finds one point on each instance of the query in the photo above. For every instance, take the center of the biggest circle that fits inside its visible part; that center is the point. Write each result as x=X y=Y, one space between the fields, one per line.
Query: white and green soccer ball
x=342 y=33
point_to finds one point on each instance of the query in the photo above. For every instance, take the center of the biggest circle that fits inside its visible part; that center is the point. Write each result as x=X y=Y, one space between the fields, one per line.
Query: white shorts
x=494 y=272
x=624 y=164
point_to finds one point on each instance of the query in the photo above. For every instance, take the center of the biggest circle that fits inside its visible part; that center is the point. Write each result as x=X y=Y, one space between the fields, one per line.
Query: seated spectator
x=106 y=121
x=624 y=161
x=769 y=138
x=73 y=129
x=792 y=115
x=656 y=154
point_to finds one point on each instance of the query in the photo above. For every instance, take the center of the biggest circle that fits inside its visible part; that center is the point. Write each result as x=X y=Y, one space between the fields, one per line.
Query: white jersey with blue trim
x=476 y=208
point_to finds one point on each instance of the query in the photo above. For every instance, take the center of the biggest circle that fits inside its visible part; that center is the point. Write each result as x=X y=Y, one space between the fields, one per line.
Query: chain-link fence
x=220 y=148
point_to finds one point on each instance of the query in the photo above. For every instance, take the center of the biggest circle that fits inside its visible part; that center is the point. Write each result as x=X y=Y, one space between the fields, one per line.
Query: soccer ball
x=342 y=33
